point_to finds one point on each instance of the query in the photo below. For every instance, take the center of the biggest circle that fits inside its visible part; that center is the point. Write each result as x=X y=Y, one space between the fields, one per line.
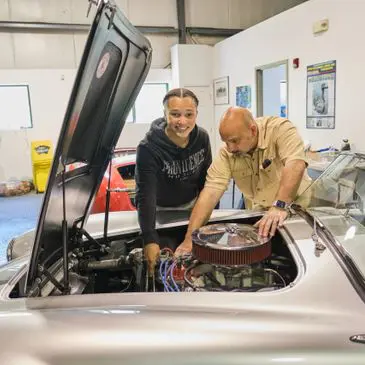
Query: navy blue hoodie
x=168 y=175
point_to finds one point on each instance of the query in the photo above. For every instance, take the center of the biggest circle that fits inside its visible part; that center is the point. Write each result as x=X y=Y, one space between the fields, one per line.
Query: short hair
x=180 y=93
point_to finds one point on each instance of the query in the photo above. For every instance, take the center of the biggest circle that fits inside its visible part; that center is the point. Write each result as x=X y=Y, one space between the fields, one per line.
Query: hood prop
x=107 y=203
x=66 y=289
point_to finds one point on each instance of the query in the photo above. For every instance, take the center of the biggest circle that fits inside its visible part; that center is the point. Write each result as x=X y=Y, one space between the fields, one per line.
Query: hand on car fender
x=272 y=219
x=185 y=247
x=151 y=252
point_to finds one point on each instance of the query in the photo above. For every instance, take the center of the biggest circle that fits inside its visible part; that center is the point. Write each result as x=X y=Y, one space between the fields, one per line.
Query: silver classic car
x=76 y=290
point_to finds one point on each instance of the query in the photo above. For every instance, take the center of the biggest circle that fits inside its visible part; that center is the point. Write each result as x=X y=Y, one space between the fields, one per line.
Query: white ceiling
x=239 y=14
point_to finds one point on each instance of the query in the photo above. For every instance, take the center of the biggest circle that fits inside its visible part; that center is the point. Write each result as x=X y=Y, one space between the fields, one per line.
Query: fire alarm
x=320 y=26
x=296 y=63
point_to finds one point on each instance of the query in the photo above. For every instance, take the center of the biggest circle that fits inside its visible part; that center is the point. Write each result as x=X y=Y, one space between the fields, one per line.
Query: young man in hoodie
x=172 y=163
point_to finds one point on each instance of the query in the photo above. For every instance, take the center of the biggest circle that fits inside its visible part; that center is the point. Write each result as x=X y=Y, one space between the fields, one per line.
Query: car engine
x=226 y=257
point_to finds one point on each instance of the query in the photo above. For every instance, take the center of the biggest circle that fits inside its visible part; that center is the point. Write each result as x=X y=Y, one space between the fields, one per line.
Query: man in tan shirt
x=266 y=159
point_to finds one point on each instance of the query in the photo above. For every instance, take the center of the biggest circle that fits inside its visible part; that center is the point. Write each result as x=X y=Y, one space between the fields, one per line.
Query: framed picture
x=221 y=91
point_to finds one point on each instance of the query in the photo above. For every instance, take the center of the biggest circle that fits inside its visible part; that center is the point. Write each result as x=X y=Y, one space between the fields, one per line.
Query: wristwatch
x=280 y=204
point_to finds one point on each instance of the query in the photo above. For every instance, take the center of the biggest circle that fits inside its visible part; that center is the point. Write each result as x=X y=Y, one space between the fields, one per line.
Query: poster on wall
x=221 y=91
x=243 y=96
x=321 y=95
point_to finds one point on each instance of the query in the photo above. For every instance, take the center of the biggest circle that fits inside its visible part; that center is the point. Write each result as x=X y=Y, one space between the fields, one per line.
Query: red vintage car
x=122 y=176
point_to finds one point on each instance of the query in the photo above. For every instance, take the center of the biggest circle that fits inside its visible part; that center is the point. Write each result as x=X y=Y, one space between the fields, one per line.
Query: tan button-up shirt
x=278 y=142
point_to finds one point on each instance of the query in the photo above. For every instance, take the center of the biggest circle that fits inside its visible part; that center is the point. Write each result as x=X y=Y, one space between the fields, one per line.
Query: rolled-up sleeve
x=289 y=143
x=219 y=172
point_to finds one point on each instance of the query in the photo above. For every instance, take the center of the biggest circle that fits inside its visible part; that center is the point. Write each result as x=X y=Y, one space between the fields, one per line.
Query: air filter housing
x=230 y=244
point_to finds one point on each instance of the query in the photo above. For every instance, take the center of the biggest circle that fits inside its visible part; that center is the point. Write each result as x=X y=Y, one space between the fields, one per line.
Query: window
x=15 y=109
x=127 y=172
x=148 y=105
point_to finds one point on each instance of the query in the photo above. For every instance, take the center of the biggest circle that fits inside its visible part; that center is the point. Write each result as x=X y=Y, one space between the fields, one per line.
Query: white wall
x=289 y=35
x=49 y=94
x=192 y=67
x=133 y=133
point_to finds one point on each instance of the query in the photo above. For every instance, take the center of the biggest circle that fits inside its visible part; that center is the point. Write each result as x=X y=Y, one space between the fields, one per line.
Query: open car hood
x=113 y=67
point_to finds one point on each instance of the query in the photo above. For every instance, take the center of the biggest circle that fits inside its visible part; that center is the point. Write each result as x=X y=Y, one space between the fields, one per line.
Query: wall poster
x=243 y=96
x=321 y=95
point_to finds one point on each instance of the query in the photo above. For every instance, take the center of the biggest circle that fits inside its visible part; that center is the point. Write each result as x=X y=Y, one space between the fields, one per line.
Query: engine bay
x=226 y=257
x=241 y=262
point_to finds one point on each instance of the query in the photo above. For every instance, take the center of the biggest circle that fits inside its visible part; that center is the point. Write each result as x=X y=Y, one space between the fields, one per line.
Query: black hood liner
x=91 y=121
x=114 y=65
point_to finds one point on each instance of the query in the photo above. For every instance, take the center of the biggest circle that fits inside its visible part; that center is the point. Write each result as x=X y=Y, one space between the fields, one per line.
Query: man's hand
x=273 y=219
x=208 y=199
x=151 y=252
x=185 y=247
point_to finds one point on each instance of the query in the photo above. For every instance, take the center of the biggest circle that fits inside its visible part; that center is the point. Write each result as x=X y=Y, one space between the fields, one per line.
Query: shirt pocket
x=269 y=171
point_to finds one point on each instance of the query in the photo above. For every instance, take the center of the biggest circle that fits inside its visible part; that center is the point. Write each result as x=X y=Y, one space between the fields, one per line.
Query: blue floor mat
x=17 y=215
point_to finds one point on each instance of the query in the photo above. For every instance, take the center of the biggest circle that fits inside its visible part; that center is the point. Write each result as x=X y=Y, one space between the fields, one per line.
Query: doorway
x=272 y=89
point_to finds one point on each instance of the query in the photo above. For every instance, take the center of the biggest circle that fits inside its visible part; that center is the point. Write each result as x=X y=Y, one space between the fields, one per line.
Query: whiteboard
x=15 y=108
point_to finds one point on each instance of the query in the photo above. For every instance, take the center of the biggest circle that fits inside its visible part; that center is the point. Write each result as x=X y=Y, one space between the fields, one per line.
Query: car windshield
x=336 y=199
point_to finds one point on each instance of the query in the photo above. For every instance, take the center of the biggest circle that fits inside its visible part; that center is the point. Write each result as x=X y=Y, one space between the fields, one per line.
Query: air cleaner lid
x=229 y=236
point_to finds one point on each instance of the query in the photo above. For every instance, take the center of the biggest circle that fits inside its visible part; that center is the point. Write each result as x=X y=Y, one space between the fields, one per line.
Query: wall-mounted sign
x=321 y=95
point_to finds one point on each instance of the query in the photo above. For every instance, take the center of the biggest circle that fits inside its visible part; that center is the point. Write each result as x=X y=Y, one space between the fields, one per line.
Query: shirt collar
x=262 y=142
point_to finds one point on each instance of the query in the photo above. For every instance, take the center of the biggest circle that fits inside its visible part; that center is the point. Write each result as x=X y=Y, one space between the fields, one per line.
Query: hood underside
x=114 y=65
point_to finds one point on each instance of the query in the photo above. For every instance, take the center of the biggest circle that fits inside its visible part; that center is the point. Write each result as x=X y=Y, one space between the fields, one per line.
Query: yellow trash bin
x=42 y=155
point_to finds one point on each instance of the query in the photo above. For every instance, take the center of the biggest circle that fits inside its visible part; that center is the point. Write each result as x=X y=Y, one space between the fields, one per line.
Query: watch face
x=280 y=204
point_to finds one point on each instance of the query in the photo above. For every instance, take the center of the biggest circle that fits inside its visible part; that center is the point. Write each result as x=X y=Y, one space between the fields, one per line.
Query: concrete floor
x=18 y=214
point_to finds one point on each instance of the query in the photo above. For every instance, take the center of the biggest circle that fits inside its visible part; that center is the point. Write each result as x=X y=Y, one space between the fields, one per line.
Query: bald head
x=236 y=117
x=238 y=130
